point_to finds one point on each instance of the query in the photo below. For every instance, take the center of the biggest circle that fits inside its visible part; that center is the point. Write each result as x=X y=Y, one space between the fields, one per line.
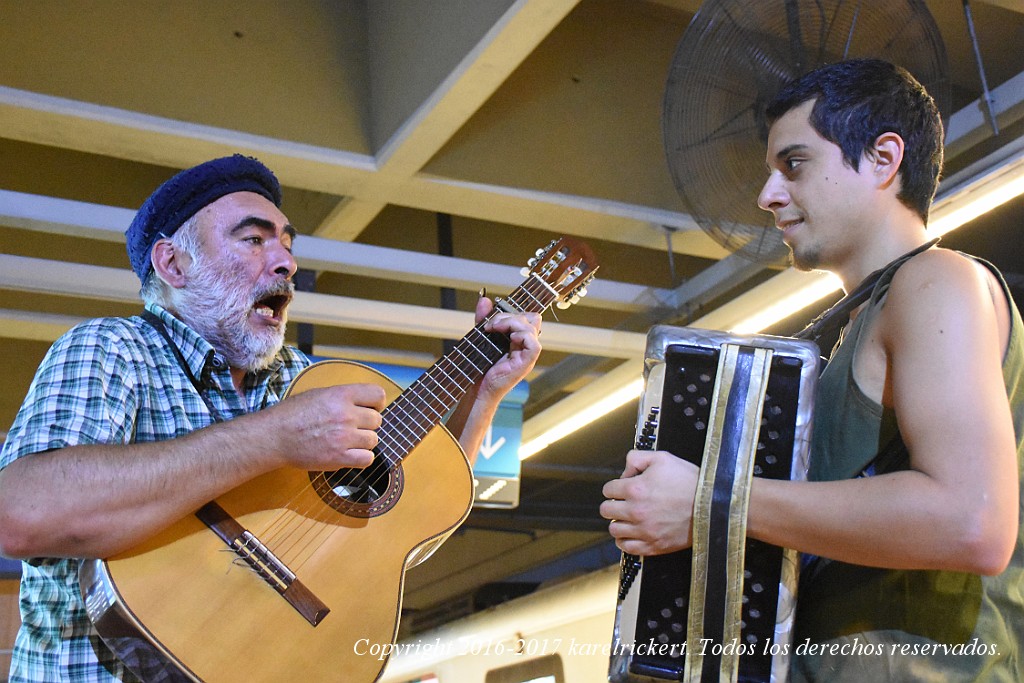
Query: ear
x=886 y=157
x=169 y=263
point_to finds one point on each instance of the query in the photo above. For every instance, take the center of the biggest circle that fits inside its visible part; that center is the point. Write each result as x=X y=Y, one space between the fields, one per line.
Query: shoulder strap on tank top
x=894 y=455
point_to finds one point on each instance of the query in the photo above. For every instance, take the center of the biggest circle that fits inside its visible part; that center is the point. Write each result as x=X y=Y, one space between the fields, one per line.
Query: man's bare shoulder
x=943 y=291
x=938 y=276
x=936 y=262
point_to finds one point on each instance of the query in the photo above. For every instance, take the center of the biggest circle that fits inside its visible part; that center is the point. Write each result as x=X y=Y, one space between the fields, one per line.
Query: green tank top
x=865 y=624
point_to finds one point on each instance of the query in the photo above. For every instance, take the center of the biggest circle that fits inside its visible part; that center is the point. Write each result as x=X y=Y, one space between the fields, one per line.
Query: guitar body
x=184 y=606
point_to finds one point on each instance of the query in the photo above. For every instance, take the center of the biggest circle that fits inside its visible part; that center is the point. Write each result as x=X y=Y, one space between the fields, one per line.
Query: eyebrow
x=786 y=151
x=789 y=149
x=263 y=224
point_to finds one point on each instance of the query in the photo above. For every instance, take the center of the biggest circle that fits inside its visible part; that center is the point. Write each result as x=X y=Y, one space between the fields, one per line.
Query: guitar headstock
x=565 y=266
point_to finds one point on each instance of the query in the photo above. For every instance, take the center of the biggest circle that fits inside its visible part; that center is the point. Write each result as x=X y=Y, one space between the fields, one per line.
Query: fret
x=448 y=376
x=483 y=358
x=449 y=399
x=452 y=398
x=542 y=295
x=470 y=360
x=428 y=420
x=398 y=417
x=493 y=345
x=401 y=436
x=417 y=419
x=525 y=300
x=390 y=434
x=451 y=387
x=456 y=366
x=512 y=305
x=407 y=421
x=546 y=286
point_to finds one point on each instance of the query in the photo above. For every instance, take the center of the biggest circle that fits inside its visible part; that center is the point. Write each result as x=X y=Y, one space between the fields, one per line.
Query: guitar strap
x=159 y=326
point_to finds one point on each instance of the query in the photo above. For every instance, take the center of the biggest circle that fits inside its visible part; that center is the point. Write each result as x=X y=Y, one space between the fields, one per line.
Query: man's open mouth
x=272 y=307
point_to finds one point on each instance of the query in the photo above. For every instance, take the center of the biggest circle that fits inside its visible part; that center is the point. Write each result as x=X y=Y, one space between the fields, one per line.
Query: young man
x=926 y=558
x=132 y=424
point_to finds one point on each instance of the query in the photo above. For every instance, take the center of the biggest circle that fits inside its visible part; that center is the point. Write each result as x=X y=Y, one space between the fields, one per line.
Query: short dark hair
x=858 y=100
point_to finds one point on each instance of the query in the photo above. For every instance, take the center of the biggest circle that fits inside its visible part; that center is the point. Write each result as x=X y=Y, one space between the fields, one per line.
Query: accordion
x=737 y=407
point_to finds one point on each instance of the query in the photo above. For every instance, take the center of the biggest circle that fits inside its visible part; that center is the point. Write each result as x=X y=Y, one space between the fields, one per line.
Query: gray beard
x=217 y=306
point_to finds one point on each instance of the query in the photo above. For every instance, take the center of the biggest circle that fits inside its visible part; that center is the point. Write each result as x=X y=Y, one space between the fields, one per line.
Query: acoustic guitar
x=297 y=575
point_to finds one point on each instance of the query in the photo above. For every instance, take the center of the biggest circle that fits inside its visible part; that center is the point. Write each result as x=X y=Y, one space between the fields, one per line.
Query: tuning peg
x=524 y=271
x=562 y=304
x=581 y=292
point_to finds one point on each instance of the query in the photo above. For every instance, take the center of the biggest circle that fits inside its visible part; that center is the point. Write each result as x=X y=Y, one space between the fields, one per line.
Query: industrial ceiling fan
x=732 y=59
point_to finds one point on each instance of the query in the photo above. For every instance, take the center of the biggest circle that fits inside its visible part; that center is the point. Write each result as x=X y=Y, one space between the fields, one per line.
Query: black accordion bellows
x=736 y=406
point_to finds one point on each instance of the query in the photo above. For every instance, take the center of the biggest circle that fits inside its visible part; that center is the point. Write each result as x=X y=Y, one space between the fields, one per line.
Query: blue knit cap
x=185 y=194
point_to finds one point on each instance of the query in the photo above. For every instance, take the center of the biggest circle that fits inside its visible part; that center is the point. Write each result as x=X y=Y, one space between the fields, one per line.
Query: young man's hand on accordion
x=651 y=505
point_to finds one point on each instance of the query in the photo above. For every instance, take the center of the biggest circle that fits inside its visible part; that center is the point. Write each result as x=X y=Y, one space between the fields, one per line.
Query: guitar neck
x=427 y=400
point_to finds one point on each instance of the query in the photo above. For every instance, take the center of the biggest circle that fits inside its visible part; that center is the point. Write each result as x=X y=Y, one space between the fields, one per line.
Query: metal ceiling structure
x=403 y=130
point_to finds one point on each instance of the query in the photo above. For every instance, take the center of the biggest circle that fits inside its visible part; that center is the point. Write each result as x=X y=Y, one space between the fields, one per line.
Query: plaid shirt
x=112 y=380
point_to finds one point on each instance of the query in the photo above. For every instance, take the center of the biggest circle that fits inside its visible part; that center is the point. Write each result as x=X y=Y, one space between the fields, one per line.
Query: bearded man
x=133 y=423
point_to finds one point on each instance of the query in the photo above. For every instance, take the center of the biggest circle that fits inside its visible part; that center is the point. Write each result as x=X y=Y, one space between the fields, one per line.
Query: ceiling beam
x=84 y=127
x=21 y=273
x=108 y=223
x=503 y=48
x=396 y=30
x=971 y=125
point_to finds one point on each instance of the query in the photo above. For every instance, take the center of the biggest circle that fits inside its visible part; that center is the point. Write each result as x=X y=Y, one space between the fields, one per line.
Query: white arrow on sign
x=489 y=447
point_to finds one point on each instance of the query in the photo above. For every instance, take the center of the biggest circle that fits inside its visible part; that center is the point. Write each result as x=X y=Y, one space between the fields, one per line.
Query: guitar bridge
x=263 y=562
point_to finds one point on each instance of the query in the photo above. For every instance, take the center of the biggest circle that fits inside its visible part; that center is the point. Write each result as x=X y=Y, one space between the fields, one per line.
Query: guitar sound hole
x=364 y=492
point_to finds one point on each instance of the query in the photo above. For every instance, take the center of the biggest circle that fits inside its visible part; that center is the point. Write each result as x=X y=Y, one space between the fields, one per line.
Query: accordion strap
x=720 y=512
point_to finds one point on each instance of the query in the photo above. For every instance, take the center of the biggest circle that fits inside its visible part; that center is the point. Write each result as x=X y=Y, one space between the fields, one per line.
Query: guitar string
x=419 y=426
x=321 y=480
x=404 y=442
x=308 y=523
x=469 y=377
x=297 y=541
x=405 y=420
x=392 y=445
x=410 y=418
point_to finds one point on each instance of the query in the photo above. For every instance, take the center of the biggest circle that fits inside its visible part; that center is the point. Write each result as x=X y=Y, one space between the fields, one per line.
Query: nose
x=773 y=195
x=281 y=262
